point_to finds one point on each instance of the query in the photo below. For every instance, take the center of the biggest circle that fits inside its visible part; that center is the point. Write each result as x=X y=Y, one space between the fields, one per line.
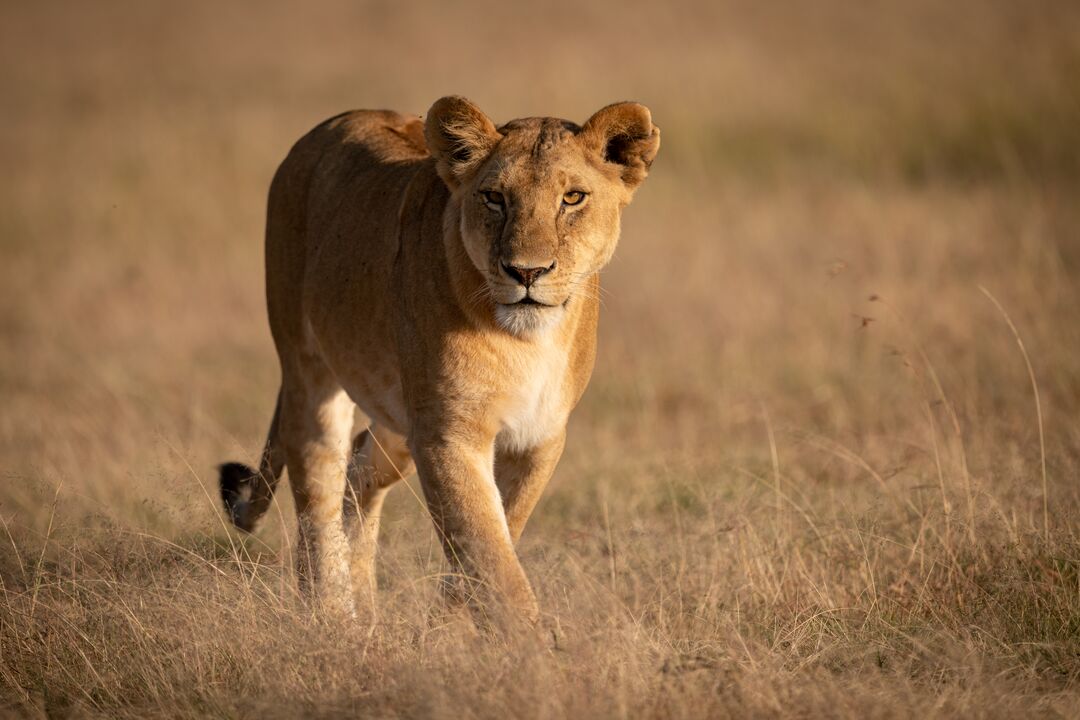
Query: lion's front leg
x=456 y=469
x=522 y=475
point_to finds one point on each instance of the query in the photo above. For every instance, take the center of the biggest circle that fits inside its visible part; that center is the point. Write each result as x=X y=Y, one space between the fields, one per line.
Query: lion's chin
x=528 y=319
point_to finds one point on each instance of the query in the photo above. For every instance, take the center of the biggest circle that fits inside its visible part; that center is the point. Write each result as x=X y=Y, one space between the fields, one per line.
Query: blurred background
x=807 y=322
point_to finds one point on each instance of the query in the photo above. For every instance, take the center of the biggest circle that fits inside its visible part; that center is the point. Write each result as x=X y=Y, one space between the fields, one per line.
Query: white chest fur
x=536 y=408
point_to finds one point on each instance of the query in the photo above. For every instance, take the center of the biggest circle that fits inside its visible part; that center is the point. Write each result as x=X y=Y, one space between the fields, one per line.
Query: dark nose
x=526 y=275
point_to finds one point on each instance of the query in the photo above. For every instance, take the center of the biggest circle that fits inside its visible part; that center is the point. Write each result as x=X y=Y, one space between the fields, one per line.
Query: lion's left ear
x=624 y=134
x=460 y=136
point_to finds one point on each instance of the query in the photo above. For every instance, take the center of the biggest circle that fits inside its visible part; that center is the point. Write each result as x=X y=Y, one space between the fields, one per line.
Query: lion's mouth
x=533 y=302
x=528 y=300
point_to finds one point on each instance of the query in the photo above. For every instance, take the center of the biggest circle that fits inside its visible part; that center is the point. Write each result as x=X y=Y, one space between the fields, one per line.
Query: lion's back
x=333 y=212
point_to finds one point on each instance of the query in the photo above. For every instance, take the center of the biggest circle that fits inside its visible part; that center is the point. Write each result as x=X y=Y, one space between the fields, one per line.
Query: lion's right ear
x=459 y=135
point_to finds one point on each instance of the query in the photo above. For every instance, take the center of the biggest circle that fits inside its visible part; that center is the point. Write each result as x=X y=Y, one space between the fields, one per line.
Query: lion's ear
x=624 y=134
x=460 y=136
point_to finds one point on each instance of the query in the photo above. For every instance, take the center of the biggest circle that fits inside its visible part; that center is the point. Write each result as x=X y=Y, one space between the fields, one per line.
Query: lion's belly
x=362 y=357
x=368 y=372
x=383 y=402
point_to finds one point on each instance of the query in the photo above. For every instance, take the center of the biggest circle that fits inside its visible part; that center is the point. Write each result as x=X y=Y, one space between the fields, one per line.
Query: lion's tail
x=247 y=493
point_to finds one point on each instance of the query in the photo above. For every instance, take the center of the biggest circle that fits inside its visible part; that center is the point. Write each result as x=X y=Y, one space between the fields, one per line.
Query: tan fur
x=390 y=286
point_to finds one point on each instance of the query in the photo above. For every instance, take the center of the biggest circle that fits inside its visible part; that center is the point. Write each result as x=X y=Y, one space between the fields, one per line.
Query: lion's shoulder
x=389 y=135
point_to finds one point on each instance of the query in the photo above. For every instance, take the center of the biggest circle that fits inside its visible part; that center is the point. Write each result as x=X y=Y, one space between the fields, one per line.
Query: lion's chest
x=535 y=407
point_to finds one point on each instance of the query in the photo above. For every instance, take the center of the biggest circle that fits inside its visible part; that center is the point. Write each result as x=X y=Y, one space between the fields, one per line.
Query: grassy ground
x=828 y=462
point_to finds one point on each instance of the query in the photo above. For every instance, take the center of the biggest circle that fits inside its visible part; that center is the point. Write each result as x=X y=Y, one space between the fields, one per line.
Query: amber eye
x=574 y=197
x=492 y=197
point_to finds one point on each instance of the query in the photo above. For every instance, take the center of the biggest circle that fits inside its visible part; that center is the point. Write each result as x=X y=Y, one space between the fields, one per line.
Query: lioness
x=443 y=277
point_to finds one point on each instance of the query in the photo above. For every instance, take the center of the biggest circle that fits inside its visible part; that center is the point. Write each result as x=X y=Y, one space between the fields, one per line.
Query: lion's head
x=539 y=199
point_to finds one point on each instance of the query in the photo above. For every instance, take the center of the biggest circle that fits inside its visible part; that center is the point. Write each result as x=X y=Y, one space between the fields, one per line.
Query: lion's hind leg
x=316 y=428
x=379 y=459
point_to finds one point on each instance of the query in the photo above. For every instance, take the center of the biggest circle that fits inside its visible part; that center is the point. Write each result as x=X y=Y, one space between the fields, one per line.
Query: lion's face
x=538 y=218
x=540 y=200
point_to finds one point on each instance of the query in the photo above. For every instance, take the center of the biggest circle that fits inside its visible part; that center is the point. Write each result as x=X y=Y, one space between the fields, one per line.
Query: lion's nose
x=526 y=275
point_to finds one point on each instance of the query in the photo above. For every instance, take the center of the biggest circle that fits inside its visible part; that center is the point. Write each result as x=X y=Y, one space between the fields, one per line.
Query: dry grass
x=810 y=477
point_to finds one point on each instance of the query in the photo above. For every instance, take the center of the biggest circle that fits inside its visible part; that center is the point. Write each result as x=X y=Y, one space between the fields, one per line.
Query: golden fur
x=443 y=277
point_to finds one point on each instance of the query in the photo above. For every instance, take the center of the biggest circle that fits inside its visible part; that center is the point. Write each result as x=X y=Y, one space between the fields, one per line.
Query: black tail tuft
x=237 y=482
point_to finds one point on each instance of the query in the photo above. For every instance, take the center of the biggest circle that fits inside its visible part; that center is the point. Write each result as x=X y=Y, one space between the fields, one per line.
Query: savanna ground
x=812 y=475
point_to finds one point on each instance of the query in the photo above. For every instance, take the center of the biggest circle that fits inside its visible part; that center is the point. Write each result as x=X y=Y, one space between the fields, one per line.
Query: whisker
x=477 y=296
x=583 y=289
